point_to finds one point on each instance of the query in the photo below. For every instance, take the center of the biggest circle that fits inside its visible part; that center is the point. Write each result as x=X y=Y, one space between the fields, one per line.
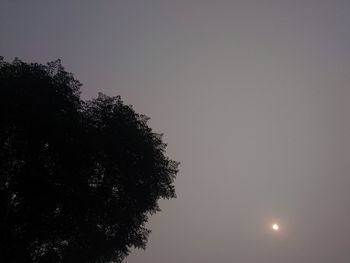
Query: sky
x=253 y=98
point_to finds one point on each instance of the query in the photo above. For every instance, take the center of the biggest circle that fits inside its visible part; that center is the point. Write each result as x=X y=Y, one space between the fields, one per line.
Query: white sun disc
x=275 y=227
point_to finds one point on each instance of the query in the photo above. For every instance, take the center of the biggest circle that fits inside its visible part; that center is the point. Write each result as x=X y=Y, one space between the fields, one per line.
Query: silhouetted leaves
x=78 y=179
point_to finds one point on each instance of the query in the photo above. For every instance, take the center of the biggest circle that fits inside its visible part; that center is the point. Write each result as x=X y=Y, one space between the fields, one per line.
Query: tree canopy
x=78 y=179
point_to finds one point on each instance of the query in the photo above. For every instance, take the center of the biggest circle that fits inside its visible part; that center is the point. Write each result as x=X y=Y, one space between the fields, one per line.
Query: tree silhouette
x=78 y=179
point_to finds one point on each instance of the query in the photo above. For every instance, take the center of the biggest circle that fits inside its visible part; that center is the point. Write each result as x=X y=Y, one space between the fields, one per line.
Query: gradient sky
x=253 y=98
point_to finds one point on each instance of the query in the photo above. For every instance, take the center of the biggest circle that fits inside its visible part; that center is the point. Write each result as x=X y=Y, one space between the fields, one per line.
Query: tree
x=78 y=179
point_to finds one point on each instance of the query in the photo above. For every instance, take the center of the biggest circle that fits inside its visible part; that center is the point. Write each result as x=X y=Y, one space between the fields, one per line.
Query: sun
x=275 y=227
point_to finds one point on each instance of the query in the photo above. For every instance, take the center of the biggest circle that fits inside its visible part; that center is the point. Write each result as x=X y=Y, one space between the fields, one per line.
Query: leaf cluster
x=78 y=179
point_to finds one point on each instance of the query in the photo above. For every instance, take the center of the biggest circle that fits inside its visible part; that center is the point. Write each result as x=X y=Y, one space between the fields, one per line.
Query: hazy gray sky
x=253 y=98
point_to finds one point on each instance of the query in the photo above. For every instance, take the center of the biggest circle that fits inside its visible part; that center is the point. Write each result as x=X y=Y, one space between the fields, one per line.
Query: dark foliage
x=78 y=179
